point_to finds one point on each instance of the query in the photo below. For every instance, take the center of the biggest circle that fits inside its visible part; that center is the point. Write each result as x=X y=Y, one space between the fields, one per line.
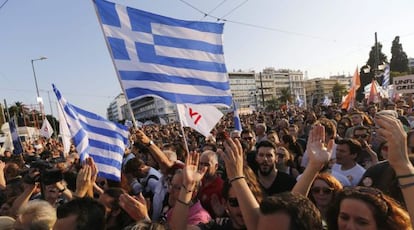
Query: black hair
x=90 y=214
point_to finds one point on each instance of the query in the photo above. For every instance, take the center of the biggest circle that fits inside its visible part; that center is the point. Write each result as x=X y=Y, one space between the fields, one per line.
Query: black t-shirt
x=282 y=183
x=251 y=160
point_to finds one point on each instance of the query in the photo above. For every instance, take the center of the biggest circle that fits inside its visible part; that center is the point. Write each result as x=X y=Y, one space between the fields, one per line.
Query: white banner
x=404 y=84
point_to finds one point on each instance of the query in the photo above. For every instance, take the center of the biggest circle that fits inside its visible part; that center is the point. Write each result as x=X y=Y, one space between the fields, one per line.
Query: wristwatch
x=151 y=142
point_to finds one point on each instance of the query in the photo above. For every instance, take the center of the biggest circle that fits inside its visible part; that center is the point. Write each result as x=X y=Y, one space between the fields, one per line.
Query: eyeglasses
x=360 y=136
x=233 y=202
x=324 y=190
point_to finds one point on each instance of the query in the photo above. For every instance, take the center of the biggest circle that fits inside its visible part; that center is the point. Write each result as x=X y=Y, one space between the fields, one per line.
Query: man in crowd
x=272 y=180
x=347 y=151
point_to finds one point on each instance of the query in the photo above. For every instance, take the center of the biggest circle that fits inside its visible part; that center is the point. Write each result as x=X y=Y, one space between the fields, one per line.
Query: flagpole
x=113 y=62
x=182 y=130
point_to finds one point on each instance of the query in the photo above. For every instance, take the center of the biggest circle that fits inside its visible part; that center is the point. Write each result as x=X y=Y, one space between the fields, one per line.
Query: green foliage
x=338 y=91
x=366 y=78
x=272 y=104
x=285 y=95
x=399 y=59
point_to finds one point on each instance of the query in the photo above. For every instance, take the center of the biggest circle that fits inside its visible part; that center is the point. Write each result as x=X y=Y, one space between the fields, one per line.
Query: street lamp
x=39 y=99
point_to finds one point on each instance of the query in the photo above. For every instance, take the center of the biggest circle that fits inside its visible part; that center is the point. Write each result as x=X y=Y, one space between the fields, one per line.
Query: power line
x=215 y=8
x=254 y=25
x=4 y=3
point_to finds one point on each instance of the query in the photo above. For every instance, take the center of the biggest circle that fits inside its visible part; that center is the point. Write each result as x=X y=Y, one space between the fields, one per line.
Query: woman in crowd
x=323 y=192
x=366 y=208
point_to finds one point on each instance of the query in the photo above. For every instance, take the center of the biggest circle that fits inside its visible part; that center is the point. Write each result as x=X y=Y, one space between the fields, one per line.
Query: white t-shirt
x=353 y=174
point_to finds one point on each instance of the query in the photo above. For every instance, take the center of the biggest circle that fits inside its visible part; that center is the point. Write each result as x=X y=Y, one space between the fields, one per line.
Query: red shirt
x=207 y=191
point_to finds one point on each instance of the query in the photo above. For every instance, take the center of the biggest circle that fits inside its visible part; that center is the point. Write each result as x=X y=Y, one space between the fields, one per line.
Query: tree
x=272 y=104
x=21 y=112
x=399 y=59
x=339 y=90
x=372 y=62
x=286 y=95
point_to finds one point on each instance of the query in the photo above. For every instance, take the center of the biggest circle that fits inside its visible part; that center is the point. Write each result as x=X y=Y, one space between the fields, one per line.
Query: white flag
x=46 y=130
x=202 y=118
x=64 y=132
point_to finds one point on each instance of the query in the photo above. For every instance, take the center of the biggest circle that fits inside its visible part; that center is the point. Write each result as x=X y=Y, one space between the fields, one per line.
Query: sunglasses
x=233 y=202
x=324 y=190
x=361 y=136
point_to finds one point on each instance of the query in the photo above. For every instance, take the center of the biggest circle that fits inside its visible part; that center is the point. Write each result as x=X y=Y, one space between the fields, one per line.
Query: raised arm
x=191 y=176
x=318 y=156
x=233 y=158
x=156 y=152
x=391 y=129
x=2 y=178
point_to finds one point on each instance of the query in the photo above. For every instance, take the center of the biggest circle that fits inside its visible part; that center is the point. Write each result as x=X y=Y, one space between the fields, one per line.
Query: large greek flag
x=96 y=137
x=180 y=61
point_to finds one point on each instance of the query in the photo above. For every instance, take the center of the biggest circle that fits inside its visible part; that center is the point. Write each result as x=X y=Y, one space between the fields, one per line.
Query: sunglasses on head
x=233 y=202
x=325 y=190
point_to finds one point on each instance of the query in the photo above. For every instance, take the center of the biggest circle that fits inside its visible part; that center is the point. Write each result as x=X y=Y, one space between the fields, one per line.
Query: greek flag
x=96 y=137
x=17 y=144
x=236 y=117
x=386 y=77
x=179 y=61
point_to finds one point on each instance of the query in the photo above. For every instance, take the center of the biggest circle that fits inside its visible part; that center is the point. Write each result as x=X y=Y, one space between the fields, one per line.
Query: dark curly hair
x=388 y=214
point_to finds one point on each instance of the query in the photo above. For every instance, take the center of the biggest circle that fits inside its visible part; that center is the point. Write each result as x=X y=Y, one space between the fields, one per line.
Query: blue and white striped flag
x=386 y=77
x=179 y=61
x=96 y=137
x=17 y=144
x=237 y=122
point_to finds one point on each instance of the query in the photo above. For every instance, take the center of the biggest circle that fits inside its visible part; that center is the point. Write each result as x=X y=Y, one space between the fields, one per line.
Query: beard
x=266 y=169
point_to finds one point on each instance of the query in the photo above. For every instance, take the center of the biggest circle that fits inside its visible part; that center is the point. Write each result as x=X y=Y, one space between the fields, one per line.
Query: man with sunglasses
x=367 y=157
x=248 y=139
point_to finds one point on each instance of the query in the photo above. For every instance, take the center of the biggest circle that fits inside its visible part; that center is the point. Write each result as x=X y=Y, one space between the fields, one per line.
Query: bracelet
x=182 y=202
x=405 y=176
x=187 y=190
x=236 y=178
x=402 y=186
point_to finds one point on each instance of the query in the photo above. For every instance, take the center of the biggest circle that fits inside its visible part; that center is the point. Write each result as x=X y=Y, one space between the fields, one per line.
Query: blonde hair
x=42 y=214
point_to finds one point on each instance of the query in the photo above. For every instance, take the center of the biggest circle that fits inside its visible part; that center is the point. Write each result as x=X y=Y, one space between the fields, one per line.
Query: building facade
x=243 y=89
x=272 y=82
x=318 y=88
x=114 y=111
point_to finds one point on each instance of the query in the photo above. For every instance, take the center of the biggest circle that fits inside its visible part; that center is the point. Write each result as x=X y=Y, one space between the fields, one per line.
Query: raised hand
x=391 y=129
x=316 y=149
x=141 y=137
x=135 y=207
x=191 y=173
x=233 y=157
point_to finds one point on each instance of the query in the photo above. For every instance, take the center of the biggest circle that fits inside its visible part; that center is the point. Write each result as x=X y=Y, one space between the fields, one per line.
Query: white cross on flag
x=202 y=118
x=46 y=130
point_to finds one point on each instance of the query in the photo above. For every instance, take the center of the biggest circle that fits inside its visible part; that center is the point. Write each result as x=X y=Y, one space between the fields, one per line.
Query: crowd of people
x=319 y=168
